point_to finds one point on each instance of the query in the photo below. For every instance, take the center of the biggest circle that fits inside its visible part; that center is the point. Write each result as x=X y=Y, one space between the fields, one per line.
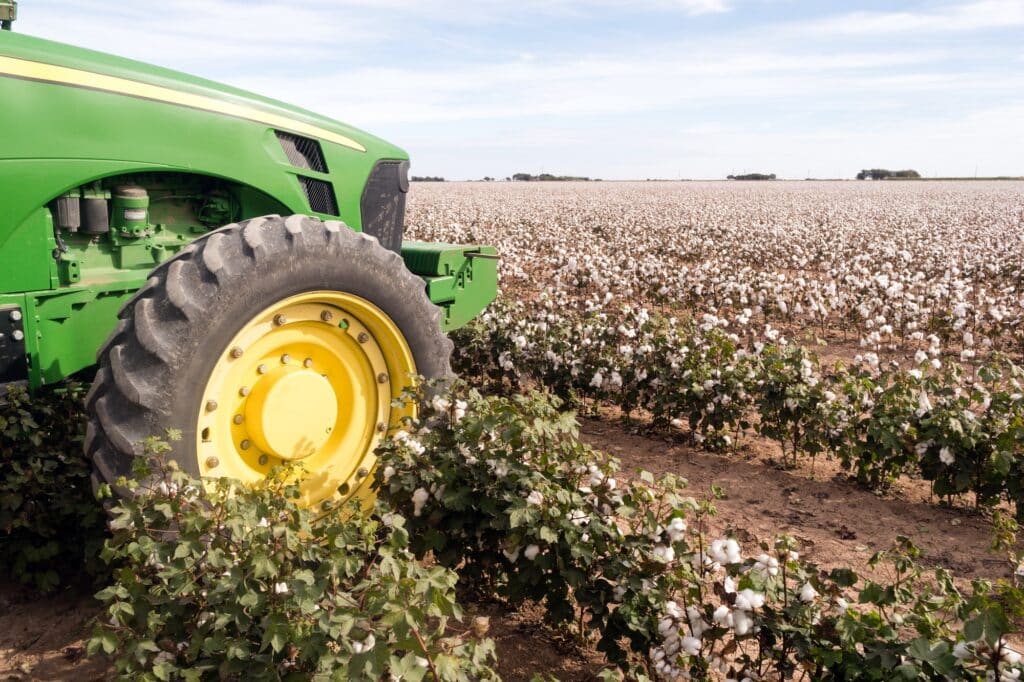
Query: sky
x=608 y=88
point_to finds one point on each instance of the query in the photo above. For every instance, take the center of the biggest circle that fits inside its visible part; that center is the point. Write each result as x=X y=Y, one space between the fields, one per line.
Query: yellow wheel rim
x=308 y=380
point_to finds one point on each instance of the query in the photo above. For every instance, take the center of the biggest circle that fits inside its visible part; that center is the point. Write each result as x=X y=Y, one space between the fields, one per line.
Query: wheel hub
x=291 y=413
x=309 y=380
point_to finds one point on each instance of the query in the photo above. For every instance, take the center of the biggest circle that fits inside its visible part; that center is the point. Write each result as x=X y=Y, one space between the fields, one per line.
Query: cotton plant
x=634 y=565
x=219 y=579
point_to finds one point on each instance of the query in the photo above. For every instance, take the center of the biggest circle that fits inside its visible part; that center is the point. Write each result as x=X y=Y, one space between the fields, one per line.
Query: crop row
x=961 y=429
x=500 y=497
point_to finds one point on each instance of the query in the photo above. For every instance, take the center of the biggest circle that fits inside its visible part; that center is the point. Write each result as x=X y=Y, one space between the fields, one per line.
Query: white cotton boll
x=766 y=565
x=808 y=593
x=535 y=498
x=748 y=600
x=924 y=405
x=920 y=356
x=664 y=553
x=419 y=498
x=842 y=605
x=723 y=616
x=598 y=380
x=531 y=552
x=440 y=404
x=1010 y=656
x=966 y=354
x=742 y=622
x=676 y=529
x=729 y=585
x=388 y=472
x=690 y=645
x=946 y=456
x=280 y=588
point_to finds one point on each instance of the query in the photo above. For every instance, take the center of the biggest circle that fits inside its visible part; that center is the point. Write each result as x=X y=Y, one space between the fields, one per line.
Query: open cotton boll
x=690 y=645
x=748 y=600
x=419 y=498
x=808 y=593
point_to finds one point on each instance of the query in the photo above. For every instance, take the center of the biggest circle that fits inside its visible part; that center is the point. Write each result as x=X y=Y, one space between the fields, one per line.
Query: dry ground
x=837 y=522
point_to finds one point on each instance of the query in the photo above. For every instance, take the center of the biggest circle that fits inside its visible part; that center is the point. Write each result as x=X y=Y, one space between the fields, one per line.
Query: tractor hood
x=37 y=59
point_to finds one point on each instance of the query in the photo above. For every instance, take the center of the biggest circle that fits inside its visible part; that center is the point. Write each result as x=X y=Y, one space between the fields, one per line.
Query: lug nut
x=382 y=378
x=307 y=363
x=238 y=419
x=16 y=316
x=280 y=319
x=243 y=391
x=236 y=352
x=211 y=405
x=262 y=369
x=244 y=445
x=212 y=462
x=327 y=316
x=18 y=335
x=363 y=472
x=285 y=359
x=263 y=460
x=363 y=337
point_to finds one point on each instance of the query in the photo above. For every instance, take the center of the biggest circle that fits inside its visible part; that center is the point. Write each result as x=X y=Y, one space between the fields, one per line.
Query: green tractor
x=232 y=266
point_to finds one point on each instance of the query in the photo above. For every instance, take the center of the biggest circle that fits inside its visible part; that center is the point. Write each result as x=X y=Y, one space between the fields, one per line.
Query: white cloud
x=972 y=16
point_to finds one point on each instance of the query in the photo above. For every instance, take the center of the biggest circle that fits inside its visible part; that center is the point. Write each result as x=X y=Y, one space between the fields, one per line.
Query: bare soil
x=837 y=523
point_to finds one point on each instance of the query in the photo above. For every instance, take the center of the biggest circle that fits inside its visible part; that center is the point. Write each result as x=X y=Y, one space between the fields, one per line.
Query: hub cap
x=308 y=380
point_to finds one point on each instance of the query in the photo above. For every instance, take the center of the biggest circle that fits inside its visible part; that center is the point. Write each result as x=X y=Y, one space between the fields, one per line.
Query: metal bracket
x=478 y=254
x=13 y=361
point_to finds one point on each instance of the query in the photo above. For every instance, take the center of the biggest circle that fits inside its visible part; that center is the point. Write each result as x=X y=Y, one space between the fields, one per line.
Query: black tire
x=153 y=369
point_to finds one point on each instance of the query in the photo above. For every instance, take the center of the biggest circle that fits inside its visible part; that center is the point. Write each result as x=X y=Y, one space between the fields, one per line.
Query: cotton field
x=875 y=324
x=880 y=265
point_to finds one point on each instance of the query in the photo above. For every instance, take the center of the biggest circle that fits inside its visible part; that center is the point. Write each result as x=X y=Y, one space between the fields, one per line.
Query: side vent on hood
x=302 y=152
x=320 y=195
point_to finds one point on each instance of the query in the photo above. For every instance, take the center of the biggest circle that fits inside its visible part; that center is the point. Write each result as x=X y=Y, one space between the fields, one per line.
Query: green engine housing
x=108 y=167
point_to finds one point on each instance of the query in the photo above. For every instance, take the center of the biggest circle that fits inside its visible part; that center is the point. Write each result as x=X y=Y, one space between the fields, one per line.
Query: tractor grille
x=302 y=152
x=320 y=195
x=383 y=203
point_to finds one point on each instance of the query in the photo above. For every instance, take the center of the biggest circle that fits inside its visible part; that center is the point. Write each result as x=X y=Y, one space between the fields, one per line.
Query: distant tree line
x=427 y=178
x=752 y=176
x=547 y=177
x=883 y=174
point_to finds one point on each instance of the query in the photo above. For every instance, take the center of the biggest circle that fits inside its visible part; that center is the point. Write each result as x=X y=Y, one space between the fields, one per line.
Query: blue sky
x=619 y=90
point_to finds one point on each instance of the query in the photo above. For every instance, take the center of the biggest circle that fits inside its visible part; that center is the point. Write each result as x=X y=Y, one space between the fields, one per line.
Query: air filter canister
x=130 y=213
